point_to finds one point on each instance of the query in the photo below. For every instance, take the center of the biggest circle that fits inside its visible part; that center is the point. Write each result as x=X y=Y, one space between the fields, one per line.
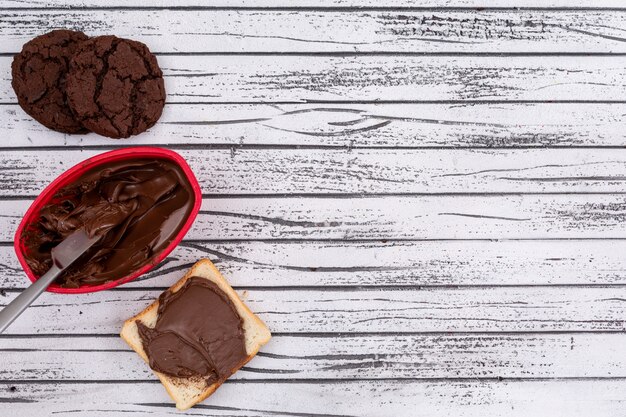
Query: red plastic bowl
x=72 y=174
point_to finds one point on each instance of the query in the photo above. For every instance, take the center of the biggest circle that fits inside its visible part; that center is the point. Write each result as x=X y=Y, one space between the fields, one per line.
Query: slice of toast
x=186 y=391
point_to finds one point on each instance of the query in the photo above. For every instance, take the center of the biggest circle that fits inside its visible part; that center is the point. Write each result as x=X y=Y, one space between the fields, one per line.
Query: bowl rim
x=72 y=174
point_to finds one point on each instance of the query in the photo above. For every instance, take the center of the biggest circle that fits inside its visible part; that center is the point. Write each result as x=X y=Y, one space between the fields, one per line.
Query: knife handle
x=17 y=306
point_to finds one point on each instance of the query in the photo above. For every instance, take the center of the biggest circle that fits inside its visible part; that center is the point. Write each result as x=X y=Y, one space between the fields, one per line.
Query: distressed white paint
x=480 y=4
x=356 y=310
x=539 y=216
x=400 y=263
x=354 y=126
x=334 y=31
x=468 y=264
x=359 y=171
x=286 y=78
x=465 y=398
x=367 y=357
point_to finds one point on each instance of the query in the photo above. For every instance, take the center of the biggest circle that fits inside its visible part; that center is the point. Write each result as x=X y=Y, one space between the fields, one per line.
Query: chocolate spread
x=198 y=333
x=137 y=206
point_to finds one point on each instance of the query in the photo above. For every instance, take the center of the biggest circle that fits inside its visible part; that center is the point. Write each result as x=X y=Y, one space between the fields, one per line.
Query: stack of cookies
x=75 y=84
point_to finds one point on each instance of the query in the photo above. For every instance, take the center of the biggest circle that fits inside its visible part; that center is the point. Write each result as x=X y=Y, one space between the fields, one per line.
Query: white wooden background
x=424 y=200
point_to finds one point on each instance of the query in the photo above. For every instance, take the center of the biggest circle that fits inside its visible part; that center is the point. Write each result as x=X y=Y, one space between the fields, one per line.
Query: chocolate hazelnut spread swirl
x=198 y=333
x=138 y=206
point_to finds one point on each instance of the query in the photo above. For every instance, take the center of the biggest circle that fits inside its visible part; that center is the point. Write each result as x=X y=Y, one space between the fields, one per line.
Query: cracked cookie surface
x=39 y=79
x=115 y=86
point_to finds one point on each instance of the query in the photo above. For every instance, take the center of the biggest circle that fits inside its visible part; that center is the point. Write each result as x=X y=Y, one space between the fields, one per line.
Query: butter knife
x=63 y=255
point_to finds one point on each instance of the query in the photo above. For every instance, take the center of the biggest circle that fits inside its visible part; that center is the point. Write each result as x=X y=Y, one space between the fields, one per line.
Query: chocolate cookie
x=115 y=86
x=39 y=74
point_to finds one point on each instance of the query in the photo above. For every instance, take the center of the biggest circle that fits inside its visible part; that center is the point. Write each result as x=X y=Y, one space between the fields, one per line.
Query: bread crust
x=256 y=335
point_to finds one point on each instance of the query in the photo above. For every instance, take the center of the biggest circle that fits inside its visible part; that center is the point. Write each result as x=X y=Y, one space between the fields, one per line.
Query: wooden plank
x=338 y=31
x=558 y=398
x=567 y=216
x=345 y=357
x=355 y=126
x=285 y=78
x=358 y=171
x=510 y=309
x=341 y=4
x=370 y=263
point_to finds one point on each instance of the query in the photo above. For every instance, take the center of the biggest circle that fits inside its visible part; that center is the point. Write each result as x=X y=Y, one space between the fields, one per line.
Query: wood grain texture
x=354 y=126
x=468 y=398
x=566 y=216
x=332 y=4
x=358 y=171
x=424 y=201
x=514 y=309
x=341 y=358
x=334 y=31
x=375 y=264
x=284 y=78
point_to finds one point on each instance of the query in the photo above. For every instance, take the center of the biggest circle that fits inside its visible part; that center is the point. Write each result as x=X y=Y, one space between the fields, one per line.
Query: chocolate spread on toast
x=198 y=333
